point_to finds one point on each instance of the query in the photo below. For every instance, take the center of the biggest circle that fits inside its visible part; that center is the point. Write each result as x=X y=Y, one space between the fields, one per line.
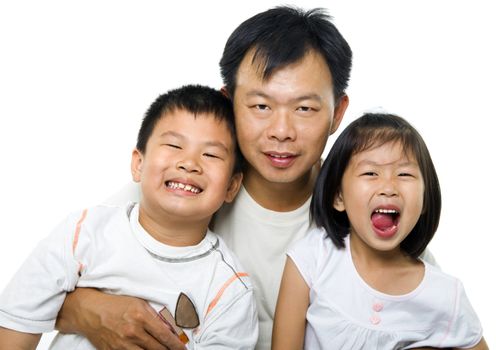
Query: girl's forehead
x=388 y=151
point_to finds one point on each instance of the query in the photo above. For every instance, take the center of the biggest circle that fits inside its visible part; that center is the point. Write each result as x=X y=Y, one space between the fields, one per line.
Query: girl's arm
x=481 y=346
x=291 y=309
x=13 y=340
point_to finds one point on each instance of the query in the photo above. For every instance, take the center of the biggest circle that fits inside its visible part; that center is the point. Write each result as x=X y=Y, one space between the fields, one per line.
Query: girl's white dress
x=346 y=313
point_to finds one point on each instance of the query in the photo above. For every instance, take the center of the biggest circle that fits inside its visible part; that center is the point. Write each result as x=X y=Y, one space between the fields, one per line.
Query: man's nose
x=282 y=126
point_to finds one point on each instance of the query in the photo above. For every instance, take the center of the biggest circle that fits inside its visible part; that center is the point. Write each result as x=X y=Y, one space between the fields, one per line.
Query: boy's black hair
x=370 y=131
x=196 y=99
x=283 y=35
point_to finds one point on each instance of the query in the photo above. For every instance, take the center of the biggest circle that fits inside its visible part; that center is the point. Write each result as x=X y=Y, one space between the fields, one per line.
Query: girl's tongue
x=382 y=221
x=385 y=224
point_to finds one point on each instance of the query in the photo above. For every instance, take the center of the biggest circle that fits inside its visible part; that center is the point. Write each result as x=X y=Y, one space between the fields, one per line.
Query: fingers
x=160 y=331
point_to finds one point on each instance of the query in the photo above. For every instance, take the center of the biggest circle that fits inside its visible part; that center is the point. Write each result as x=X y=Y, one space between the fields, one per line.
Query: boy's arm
x=115 y=322
x=292 y=304
x=13 y=340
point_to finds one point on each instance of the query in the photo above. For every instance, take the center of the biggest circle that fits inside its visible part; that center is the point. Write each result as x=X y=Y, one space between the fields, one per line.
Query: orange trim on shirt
x=221 y=291
x=78 y=230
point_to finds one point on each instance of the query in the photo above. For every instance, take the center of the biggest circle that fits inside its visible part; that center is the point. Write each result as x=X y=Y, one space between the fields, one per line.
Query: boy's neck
x=172 y=231
x=282 y=197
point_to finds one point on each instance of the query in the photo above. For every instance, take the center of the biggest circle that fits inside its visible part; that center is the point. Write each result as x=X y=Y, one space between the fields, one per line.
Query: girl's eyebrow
x=371 y=162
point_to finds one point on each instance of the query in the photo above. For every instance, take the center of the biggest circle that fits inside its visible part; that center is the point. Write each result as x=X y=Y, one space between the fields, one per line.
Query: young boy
x=161 y=250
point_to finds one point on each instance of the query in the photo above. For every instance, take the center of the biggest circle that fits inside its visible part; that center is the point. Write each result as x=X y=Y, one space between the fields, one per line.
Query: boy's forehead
x=180 y=118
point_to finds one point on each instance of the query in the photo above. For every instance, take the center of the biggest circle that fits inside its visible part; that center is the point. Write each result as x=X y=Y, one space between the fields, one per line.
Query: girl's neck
x=390 y=272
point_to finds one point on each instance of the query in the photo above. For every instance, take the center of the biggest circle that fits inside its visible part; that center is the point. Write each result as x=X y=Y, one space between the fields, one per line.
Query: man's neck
x=282 y=197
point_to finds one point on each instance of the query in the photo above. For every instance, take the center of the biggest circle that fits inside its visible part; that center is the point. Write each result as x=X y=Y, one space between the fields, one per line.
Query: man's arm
x=115 y=322
x=13 y=340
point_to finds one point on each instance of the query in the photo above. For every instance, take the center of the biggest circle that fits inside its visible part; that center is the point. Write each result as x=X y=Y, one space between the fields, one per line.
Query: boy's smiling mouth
x=174 y=185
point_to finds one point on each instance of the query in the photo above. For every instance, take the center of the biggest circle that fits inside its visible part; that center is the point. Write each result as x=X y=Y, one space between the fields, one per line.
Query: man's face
x=283 y=122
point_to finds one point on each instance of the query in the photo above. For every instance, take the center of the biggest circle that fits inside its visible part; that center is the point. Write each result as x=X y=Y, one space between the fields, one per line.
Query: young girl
x=356 y=280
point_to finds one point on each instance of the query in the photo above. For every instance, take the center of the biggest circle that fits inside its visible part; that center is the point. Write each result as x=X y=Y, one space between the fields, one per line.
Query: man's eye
x=261 y=107
x=304 y=109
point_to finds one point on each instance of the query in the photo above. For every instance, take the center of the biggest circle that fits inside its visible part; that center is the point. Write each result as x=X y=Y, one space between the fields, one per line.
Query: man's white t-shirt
x=260 y=238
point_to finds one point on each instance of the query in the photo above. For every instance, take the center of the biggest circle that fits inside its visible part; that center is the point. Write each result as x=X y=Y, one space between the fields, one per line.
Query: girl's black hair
x=374 y=130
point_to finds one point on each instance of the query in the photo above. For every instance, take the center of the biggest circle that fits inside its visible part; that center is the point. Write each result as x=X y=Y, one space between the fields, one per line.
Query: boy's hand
x=115 y=322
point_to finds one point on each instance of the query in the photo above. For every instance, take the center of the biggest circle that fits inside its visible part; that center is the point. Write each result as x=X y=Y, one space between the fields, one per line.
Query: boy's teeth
x=181 y=186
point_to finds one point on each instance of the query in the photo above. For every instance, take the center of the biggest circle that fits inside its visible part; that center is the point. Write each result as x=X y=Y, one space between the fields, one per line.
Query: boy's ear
x=338 y=202
x=136 y=165
x=234 y=187
x=339 y=111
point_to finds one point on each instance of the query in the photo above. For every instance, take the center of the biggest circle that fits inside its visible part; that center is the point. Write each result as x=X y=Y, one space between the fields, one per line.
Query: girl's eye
x=406 y=174
x=369 y=173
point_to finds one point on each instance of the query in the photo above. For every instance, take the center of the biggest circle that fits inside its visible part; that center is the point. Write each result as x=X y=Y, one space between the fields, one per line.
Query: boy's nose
x=189 y=165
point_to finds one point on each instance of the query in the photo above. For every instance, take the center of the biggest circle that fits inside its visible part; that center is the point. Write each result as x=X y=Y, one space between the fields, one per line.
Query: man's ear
x=234 y=187
x=339 y=111
x=224 y=92
x=339 y=203
x=136 y=165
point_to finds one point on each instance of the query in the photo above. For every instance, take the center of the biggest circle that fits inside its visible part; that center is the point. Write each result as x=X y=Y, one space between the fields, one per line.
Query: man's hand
x=115 y=322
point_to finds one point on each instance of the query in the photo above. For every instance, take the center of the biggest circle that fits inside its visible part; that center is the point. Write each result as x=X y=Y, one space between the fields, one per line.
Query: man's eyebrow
x=311 y=96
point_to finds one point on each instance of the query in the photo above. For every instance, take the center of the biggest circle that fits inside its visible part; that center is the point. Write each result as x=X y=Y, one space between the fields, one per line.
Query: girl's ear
x=338 y=202
x=234 y=187
x=136 y=165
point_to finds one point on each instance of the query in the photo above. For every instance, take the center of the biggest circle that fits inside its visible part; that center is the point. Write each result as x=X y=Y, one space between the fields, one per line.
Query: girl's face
x=382 y=192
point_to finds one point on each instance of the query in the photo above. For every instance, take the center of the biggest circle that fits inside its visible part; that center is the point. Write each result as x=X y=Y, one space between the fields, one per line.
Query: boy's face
x=186 y=171
x=283 y=123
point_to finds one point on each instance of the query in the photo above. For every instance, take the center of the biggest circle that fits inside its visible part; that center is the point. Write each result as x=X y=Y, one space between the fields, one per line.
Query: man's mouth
x=184 y=187
x=281 y=160
x=385 y=221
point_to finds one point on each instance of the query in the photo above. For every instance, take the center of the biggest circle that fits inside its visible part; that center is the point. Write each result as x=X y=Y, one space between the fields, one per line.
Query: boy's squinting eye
x=211 y=155
x=368 y=173
x=173 y=145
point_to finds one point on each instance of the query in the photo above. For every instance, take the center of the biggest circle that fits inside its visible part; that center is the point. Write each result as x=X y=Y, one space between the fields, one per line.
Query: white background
x=76 y=78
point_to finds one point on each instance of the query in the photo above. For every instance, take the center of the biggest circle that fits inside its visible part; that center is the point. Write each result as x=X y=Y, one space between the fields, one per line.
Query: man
x=286 y=71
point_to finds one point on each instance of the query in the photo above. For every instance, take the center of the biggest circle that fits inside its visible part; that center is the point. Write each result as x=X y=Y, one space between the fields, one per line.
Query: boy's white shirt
x=105 y=248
